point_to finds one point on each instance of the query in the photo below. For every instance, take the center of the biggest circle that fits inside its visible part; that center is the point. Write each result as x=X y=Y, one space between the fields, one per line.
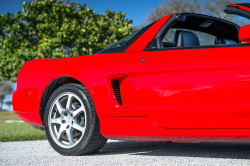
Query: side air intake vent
x=116 y=89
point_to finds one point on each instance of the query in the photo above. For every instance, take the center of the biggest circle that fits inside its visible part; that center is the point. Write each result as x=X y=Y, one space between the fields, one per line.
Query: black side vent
x=116 y=89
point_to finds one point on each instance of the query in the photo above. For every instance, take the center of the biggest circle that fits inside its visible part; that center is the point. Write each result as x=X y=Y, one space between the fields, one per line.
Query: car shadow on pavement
x=209 y=150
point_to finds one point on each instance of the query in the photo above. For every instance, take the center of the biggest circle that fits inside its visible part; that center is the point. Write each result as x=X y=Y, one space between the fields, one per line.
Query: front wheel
x=71 y=123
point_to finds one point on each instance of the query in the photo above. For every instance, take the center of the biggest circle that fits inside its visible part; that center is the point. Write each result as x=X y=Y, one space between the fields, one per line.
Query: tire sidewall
x=89 y=127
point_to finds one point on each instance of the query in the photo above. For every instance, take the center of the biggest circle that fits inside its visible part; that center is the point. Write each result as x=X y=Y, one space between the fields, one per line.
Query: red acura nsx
x=183 y=78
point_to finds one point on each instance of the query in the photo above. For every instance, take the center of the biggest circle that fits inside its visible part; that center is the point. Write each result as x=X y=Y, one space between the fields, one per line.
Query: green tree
x=8 y=103
x=5 y=89
x=56 y=29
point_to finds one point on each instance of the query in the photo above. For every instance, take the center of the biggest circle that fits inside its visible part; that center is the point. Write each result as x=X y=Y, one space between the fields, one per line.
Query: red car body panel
x=142 y=129
x=244 y=33
x=187 y=95
x=240 y=6
x=93 y=76
x=194 y=88
x=143 y=40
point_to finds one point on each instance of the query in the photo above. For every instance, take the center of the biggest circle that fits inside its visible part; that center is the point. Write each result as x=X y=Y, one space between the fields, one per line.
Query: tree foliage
x=55 y=29
x=216 y=8
x=208 y=7
x=8 y=103
x=167 y=7
x=5 y=89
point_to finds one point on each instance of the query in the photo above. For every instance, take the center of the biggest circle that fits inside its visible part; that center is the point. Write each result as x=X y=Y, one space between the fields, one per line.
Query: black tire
x=92 y=140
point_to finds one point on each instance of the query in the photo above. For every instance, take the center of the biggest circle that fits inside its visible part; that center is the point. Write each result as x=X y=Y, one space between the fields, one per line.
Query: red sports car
x=183 y=78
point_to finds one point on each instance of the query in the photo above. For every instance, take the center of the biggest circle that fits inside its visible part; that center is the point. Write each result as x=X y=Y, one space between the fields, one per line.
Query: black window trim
x=200 y=47
x=237 y=11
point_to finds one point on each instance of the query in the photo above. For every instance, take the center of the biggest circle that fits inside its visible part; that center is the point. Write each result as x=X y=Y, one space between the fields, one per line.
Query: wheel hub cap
x=64 y=118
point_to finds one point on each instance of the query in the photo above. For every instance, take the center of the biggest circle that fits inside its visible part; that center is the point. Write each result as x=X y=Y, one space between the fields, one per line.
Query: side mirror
x=244 y=34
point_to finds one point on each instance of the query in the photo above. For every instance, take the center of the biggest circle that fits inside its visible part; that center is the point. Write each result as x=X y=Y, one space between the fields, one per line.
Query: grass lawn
x=17 y=131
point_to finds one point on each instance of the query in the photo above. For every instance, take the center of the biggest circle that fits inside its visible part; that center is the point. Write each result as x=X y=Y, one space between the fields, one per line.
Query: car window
x=204 y=38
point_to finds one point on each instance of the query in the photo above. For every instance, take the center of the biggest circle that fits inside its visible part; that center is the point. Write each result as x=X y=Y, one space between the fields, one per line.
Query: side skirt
x=142 y=129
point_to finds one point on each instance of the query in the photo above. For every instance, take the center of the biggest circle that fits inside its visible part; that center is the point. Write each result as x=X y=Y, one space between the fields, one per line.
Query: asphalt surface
x=129 y=153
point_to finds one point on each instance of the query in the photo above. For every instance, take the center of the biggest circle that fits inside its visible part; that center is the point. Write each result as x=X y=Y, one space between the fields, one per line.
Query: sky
x=135 y=9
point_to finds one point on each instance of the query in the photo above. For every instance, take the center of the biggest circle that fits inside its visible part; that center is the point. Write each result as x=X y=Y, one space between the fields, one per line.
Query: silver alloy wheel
x=67 y=120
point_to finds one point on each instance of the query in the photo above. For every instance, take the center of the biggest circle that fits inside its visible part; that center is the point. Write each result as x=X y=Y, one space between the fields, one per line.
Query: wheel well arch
x=51 y=87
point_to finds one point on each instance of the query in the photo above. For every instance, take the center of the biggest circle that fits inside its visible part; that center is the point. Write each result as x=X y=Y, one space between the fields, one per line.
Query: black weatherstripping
x=237 y=11
x=158 y=37
x=129 y=43
x=152 y=44
x=199 y=47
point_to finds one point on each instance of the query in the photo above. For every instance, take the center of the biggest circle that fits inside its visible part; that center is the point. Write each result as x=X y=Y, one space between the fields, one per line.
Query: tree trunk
x=71 y=54
x=1 y=108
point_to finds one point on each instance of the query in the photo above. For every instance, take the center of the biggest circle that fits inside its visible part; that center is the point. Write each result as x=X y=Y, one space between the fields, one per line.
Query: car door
x=194 y=88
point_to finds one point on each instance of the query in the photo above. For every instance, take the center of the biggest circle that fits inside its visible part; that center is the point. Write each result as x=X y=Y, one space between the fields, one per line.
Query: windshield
x=123 y=41
x=126 y=42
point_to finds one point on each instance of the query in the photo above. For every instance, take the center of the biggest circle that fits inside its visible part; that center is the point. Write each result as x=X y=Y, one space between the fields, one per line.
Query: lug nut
x=67 y=127
x=63 y=121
